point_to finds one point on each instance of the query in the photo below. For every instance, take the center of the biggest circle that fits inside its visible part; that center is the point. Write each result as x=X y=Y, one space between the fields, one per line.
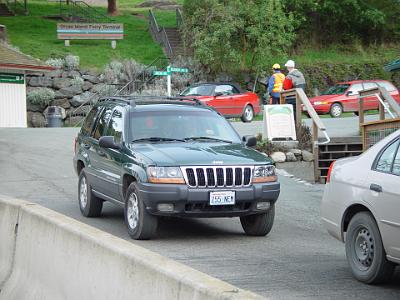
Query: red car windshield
x=201 y=90
x=336 y=89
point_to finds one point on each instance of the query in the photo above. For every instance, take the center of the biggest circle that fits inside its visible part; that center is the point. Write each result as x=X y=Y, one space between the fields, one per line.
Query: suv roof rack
x=134 y=100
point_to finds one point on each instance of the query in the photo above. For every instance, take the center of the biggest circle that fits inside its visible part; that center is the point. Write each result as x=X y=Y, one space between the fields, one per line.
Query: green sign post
x=168 y=73
x=12 y=78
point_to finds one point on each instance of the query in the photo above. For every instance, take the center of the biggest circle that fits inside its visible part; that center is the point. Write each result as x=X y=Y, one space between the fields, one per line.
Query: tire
x=140 y=224
x=336 y=110
x=248 y=114
x=89 y=204
x=260 y=224
x=365 y=252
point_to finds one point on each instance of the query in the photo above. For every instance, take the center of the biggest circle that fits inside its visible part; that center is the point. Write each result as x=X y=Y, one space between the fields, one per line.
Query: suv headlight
x=264 y=173
x=165 y=175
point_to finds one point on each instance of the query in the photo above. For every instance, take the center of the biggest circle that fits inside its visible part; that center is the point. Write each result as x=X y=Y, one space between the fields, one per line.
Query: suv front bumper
x=194 y=202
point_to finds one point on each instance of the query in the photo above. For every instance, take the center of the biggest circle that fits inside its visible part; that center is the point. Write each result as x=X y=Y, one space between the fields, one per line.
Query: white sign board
x=279 y=122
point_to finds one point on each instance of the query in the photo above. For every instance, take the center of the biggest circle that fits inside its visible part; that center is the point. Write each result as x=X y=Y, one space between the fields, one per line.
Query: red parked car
x=229 y=99
x=343 y=97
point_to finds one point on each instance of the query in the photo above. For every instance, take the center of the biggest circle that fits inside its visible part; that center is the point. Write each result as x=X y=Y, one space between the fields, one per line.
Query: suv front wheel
x=260 y=224
x=89 y=204
x=141 y=225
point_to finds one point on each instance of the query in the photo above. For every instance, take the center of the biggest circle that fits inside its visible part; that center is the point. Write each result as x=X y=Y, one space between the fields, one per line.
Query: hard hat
x=289 y=64
x=276 y=66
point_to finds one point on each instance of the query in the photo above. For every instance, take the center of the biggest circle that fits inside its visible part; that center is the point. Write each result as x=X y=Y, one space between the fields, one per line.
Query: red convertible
x=343 y=97
x=227 y=98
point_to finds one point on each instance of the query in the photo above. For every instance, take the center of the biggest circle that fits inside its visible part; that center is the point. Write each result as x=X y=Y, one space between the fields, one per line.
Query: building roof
x=13 y=59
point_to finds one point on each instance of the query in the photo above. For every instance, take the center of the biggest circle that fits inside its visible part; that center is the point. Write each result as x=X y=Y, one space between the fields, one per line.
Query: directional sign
x=179 y=70
x=12 y=78
x=161 y=73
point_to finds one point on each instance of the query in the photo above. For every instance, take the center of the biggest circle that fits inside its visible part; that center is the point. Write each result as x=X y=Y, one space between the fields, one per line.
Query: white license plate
x=222 y=198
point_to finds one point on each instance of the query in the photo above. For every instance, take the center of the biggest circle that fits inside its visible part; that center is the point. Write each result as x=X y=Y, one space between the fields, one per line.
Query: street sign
x=161 y=73
x=12 y=78
x=179 y=70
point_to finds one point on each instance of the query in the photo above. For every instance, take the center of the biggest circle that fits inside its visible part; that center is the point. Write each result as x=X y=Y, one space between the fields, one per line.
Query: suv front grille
x=226 y=176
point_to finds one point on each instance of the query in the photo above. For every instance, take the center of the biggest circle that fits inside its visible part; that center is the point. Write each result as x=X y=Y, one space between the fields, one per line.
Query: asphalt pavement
x=341 y=127
x=297 y=260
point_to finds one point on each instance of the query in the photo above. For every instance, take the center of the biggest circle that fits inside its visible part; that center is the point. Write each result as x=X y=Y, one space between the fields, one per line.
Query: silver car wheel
x=133 y=211
x=363 y=248
x=83 y=192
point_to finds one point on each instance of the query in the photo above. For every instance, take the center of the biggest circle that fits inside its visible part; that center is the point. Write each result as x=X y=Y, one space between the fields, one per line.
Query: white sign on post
x=279 y=122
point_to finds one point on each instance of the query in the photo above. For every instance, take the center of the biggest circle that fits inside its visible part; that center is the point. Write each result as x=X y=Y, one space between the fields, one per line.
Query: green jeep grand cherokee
x=171 y=157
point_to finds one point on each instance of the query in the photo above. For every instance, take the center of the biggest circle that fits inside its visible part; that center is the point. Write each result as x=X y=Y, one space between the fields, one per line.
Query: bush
x=77 y=81
x=304 y=137
x=266 y=146
x=71 y=62
x=56 y=62
x=40 y=96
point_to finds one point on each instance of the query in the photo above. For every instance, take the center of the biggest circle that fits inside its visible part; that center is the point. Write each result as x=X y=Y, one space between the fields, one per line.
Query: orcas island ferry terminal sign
x=90 y=31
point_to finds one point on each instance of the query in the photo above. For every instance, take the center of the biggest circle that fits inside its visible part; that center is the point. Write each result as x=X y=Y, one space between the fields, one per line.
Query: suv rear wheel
x=141 y=225
x=89 y=204
x=364 y=250
x=260 y=224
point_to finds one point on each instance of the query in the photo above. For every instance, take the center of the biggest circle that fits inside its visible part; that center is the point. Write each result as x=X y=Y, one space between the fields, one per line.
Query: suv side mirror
x=108 y=142
x=249 y=140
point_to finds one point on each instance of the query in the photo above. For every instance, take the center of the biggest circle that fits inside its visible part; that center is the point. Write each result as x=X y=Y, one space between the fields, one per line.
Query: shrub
x=56 y=62
x=71 y=62
x=40 y=96
x=77 y=81
x=304 y=137
x=266 y=146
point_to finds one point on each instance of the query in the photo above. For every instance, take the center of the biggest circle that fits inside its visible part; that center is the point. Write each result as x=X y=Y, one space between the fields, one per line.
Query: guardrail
x=373 y=132
x=317 y=124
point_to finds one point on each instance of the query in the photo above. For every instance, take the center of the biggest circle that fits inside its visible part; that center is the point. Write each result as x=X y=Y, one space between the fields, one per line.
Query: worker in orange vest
x=275 y=84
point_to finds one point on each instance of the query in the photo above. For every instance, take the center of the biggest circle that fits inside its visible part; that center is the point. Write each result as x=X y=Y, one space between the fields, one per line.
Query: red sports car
x=343 y=97
x=227 y=98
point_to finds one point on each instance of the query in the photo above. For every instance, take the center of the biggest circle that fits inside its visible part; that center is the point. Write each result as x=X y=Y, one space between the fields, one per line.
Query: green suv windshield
x=180 y=126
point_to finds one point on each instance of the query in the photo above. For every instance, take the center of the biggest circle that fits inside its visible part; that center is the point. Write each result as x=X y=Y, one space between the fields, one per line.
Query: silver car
x=361 y=207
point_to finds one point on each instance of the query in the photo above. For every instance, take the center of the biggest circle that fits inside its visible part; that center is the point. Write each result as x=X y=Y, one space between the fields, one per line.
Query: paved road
x=335 y=127
x=298 y=260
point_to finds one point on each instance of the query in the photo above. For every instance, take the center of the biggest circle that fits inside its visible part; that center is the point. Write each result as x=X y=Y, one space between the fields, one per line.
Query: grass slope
x=36 y=36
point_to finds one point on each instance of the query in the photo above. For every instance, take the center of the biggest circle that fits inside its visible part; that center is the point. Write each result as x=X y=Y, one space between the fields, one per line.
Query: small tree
x=237 y=34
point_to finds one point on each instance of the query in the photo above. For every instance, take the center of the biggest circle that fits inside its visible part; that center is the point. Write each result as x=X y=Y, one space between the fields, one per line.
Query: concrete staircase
x=4 y=11
x=337 y=148
x=175 y=40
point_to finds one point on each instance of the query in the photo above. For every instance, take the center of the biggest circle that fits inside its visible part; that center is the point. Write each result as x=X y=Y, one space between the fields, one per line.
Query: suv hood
x=200 y=153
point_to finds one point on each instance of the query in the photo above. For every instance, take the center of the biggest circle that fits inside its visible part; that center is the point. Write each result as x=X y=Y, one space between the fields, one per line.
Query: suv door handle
x=375 y=187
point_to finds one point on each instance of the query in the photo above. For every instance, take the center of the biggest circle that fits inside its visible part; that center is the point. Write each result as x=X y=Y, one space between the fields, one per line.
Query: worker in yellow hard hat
x=275 y=84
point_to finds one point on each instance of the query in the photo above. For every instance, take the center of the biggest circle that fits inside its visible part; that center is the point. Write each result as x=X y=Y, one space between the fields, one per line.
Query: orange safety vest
x=278 y=83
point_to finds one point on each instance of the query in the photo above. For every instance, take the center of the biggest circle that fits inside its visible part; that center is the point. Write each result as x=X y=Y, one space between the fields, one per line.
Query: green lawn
x=36 y=36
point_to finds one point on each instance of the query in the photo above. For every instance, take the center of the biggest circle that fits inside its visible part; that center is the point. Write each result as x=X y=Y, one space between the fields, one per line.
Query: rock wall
x=72 y=88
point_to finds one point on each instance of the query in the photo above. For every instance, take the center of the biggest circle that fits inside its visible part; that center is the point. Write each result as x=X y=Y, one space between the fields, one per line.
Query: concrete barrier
x=55 y=257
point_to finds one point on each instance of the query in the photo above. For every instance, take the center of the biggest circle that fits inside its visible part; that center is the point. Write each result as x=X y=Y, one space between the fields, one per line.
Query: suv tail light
x=328 y=178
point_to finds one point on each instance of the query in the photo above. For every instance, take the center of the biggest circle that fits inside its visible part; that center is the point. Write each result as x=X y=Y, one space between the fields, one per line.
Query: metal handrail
x=159 y=34
x=166 y=42
x=80 y=11
x=16 y=6
x=179 y=18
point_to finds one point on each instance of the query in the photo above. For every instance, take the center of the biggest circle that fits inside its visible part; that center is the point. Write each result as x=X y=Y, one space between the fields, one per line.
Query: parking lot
x=298 y=260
